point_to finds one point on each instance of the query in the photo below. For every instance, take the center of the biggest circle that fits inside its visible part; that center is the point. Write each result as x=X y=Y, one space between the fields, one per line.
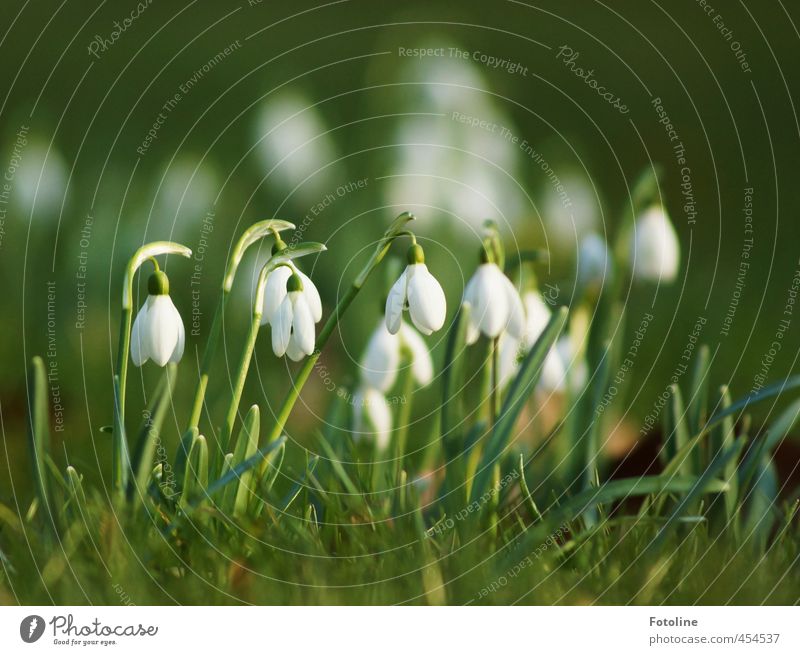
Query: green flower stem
x=282 y=258
x=344 y=302
x=250 y=236
x=147 y=252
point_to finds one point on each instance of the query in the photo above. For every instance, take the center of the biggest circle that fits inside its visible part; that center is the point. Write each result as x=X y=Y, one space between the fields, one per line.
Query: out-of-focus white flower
x=187 y=191
x=655 y=250
x=420 y=293
x=463 y=171
x=537 y=315
x=40 y=177
x=569 y=210
x=275 y=292
x=293 y=140
x=575 y=366
x=158 y=331
x=381 y=360
x=592 y=260
x=495 y=305
x=293 y=322
x=372 y=417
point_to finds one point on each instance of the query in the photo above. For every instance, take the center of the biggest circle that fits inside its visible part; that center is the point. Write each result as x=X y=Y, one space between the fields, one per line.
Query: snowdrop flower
x=420 y=293
x=592 y=260
x=381 y=360
x=158 y=332
x=372 y=416
x=293 y=321
x=275 y=292
x=575 y=366
x=537 y=316
x=655 y=251
x=495 y=304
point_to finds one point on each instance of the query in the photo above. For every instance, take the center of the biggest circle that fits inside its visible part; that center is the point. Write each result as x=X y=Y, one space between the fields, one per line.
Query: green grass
x=479 y=516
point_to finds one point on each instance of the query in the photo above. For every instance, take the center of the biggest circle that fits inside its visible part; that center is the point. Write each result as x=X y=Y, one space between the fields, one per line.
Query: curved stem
x=285 y=410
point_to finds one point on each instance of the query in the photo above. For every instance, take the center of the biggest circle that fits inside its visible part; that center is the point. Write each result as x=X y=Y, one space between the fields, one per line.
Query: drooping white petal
x=421 y=362
x=381 y=358
x=293 y=350
x=655 y=251
x=178 y=352
x=312 y=297
x=139 y=351
x=302 y=324
x=372 y=417
x=426 y=302
x=489 y=299
x=282 y=327
x=537 y=316
x=516 y=312
x=554 y=376
x=161 y=335
x=395 y=302
x=274 y=292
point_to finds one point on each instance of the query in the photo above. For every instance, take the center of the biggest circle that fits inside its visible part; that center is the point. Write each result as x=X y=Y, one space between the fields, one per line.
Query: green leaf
x=452 y=422
x=676 y=430
x=195 y=480
x=246 y=446
x=706 y=483
x=237 y=471
x=39 y=434
x=77 y=494
x=522 y=386
x=762 y=503
x=584 y=501
x=298 y=486
x=759 y=448
x=770 y=391
x=698 y=396
x=182 y=454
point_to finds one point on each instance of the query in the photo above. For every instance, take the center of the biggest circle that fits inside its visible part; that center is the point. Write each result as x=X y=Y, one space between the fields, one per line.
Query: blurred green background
x=125 y=123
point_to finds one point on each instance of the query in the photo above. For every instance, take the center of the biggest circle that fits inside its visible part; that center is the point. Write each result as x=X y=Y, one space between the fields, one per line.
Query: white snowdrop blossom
x=382 y=358
x=275 y=292
x=592 y=260
x=655 y=250
x=293 y=322
x=158 y=333
x=417 y=291
x=372 y=417
x=537 y=316
x=495 y=305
